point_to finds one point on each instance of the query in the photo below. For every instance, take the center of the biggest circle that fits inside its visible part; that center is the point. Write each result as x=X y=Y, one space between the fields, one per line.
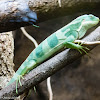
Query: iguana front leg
x=72 y=45
x=76 y=46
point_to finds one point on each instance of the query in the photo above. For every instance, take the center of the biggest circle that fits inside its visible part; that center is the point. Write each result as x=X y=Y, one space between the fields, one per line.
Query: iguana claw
x=18 y=80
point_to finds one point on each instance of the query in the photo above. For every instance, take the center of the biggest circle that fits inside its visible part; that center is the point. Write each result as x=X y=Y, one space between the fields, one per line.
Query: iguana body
x=61 y=38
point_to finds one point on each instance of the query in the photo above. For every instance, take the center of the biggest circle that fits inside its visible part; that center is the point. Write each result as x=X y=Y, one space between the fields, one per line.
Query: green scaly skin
x=61 y=38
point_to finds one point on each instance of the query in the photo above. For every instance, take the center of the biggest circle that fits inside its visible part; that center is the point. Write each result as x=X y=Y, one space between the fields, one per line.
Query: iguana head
x=87 y=21
x=90 y=20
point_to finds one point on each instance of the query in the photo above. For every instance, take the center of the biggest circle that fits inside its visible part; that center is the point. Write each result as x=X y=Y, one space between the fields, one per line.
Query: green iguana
x=64 y=37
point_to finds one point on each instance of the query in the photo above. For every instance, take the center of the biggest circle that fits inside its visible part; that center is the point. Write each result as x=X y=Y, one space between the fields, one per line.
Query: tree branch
x=48 y=68
x=48 y=9
x=45 y=9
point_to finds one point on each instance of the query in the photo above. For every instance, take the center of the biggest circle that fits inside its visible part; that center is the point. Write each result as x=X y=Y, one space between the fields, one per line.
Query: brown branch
x=48 y=68
x=48 y=9
x=45 y=9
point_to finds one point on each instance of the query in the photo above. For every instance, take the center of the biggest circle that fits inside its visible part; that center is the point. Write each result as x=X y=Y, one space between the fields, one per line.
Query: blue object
x=18 y=20
x=32 y=20
x=25 y=19
x=11 y=20
x=32 y=15
x=24 y=14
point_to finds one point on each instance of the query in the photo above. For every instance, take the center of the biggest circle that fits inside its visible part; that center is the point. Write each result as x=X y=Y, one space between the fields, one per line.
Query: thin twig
x=87 y=43
x=29 y=37
x=59 y=1
x=49 y=88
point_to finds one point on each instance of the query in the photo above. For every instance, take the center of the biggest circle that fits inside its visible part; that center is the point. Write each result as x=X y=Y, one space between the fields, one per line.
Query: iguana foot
x=83 y=49
x=18 y=80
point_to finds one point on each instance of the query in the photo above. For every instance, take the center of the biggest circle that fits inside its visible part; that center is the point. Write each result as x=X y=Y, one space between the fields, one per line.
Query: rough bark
x=45 y=9
x=6 y=58
x=48 y=68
